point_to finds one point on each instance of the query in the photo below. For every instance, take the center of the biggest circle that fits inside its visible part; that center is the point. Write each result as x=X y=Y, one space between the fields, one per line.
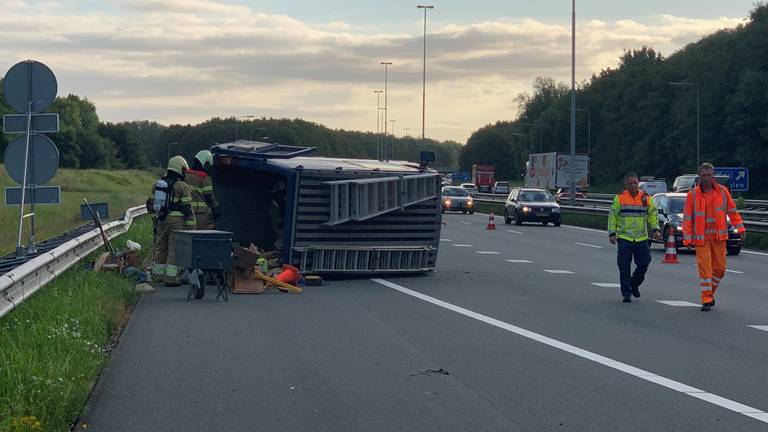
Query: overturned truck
x=329 y=215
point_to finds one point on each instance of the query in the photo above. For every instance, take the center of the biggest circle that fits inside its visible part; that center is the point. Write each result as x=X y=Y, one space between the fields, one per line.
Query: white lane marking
x=734 y=271
x=759 y=327
x=586 y=229
x=520 y=261
x=754 y=253
x=590 y=245
x=487 y=252
x=462 y=245
x=513 y=231
x=558 y=271
x=678 y=303
x=446 y=240
x=465 y=222
x=606 y=284
x=588 y=355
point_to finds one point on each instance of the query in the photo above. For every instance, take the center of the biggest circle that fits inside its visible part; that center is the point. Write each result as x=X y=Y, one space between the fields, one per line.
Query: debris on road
x=430 y=372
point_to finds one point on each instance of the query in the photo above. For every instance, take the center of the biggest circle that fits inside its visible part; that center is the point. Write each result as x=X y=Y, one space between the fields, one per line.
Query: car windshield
x=502 y=184
x=456 y=192
x=676 y=205
x=469 y=187
x=536 y=196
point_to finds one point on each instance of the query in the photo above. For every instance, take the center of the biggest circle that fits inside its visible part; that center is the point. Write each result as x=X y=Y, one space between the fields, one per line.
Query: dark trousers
x=642 y=255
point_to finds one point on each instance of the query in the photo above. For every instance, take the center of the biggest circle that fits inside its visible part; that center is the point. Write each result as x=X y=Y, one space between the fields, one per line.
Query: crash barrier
x=25 y=280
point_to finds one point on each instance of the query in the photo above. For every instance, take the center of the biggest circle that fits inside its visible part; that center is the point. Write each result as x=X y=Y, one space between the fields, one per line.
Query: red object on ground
x=491 y=222
x=670 y=257
x=289 y=275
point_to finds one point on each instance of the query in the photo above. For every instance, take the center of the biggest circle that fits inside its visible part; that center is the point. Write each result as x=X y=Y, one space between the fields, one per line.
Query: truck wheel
x=734 y=250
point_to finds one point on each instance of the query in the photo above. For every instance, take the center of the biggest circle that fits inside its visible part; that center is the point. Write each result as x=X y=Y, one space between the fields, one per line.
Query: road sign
x=42 y=195
x=739 y=177
x=461 y=177
x=43 y=162
x=29 y=81
x=41 y=123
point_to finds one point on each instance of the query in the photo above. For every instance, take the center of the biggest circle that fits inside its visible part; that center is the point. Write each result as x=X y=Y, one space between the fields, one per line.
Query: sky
x=185 y=61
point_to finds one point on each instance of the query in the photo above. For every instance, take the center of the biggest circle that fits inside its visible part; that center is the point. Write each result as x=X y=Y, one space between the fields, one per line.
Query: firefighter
x=199 y=180
x=171 y=206
x=708 y=207
x=631 y=213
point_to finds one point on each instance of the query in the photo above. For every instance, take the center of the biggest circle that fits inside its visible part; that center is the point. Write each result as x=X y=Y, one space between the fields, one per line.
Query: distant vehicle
x=686 y=182
x=531 y=205
x=446 y=181
x=565 y=193
x=457 y=199
x=670 y=207
x=483 y=176
x=653 y=187
x=501 y=187
x=470 y=187
x=552 y=171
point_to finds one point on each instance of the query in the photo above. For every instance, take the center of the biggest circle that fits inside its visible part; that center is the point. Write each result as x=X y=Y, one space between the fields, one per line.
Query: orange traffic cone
x=670 y=257
x=491 y=222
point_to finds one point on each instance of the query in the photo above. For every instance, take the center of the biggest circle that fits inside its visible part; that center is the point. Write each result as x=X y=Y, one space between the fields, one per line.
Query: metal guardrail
x=25 y=280
x=758 y=226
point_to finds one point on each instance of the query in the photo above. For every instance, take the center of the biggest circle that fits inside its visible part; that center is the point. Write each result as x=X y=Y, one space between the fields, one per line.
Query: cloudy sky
x=183 y=61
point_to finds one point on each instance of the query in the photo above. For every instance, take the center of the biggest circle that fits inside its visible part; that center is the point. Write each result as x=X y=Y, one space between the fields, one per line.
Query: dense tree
x=642 y=123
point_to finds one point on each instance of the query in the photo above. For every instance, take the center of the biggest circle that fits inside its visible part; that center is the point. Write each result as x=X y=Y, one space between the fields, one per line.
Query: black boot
x=627 y=299
x=636 y=291
x=706 y=307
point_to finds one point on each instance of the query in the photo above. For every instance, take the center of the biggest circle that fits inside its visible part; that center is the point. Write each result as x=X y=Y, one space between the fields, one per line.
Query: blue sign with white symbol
x=461 y=177
x=739 y=177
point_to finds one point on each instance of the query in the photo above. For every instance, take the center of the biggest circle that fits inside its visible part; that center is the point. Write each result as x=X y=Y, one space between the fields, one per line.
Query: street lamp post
x=378 y=123
x=384 y=140
x=573 y=104
x=698 y=117
x=589 y=128
x=392 y=142
x=237 y=122
x=424 y=75
x=168 y=151
x=406 y=143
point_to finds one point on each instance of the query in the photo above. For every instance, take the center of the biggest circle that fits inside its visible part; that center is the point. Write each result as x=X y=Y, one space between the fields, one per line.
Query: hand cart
x=207 y=254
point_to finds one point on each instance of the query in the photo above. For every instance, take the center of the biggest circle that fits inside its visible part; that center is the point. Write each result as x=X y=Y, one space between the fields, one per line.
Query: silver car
x=457 y=199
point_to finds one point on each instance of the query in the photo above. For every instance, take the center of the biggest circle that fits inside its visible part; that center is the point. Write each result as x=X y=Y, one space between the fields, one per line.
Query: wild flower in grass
x=26 y=424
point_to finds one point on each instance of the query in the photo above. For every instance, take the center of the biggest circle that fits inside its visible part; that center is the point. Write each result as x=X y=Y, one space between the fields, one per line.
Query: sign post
x=29 y=88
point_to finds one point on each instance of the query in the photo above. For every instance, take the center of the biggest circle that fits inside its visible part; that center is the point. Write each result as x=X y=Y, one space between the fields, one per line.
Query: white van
x=653 y=187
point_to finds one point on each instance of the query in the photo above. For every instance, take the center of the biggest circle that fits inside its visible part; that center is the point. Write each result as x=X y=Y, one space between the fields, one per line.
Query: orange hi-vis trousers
x=710 y=259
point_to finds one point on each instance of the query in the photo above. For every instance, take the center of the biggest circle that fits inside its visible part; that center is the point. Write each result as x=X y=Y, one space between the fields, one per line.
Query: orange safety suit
x=705 y=226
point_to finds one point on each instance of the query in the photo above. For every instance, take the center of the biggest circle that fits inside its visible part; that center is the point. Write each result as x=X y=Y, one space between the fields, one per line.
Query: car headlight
x=469 y=203
x=555 y=209
x=526 y=209
x=679 y=228
x=447 y=202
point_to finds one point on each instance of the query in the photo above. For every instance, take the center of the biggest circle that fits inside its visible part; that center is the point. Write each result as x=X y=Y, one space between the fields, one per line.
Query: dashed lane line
x=462 y=245
x=514 y=232
x=606 y=284
x=590 y=245
x=678 y=303
x=734 y=271
x=555 y=271
x=487 y=252
x=671 y=384
x=445 y=240
x=465 y=222
x=586 y=229
x=519 y=261
x=759 y=327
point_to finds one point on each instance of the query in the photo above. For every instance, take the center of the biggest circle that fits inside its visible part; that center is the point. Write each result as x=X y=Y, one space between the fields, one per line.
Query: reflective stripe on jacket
x=201 y=186
x=630 y=216
x=696 y=226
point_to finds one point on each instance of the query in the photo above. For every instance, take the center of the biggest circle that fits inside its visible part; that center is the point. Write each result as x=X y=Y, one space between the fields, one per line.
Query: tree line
x=640 y=121
x=86 y=142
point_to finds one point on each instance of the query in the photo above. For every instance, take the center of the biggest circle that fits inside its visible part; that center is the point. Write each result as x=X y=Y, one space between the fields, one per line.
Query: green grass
x=54 y=345
x=120 y=189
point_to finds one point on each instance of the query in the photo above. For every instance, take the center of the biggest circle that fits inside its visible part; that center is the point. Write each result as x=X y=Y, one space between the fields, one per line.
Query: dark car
x=457 y=198
x=531 y=205
x=670 y=207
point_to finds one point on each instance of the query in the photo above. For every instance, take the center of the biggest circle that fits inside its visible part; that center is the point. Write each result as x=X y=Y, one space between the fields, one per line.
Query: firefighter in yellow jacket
x=199 y=180
x=171 y=208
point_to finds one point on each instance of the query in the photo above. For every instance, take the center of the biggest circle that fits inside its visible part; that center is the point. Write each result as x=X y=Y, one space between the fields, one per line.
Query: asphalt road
x=531 y=344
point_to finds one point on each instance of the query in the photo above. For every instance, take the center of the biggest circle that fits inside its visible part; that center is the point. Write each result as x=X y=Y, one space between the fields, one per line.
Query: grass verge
x=120 y=189
x=54 y=345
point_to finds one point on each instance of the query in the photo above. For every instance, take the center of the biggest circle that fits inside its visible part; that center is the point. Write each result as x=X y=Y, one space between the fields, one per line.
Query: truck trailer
x=553 y=171
x=483 y=176
x=329 y=215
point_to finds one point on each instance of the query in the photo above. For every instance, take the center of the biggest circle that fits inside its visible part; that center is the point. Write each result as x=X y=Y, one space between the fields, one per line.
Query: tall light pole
x=384 y=140
x=237 y=122
x=572 y=194
x=392 y=142
x=589 y=128
x=378 y=122
x=424 y=75
x=698 y=117
x=406 y=143
x=168 y=151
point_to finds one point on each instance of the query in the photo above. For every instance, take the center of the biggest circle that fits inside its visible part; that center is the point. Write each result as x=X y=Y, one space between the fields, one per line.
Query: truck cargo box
x=334 y=215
